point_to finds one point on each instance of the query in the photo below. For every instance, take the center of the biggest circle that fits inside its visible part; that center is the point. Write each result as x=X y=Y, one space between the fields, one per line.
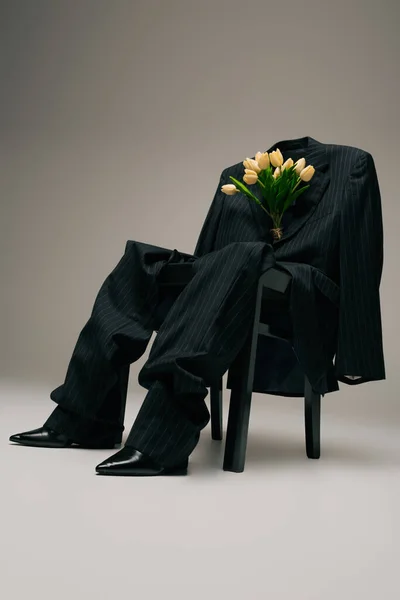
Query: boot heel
x=177 y=469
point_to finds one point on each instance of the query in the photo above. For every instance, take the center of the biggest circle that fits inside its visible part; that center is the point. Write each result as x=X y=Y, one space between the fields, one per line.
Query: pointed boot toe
x=45 y=437
x=131 y=462
x=42 y=436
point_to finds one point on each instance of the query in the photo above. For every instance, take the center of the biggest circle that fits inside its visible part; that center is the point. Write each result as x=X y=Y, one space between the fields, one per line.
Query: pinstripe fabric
x=332 y=246
x=200 y=336
x=117 y=332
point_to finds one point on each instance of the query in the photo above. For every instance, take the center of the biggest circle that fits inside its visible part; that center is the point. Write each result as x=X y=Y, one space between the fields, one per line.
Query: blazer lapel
x=298 y=214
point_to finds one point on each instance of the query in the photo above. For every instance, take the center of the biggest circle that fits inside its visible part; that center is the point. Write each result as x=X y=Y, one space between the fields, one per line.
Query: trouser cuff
x=81 y=429
x=161 y=430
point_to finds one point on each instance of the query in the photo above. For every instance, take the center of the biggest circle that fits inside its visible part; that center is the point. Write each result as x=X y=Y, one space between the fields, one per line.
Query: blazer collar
x=296 y=216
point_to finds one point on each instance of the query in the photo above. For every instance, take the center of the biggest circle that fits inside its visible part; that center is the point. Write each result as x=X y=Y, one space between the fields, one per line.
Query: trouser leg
x=199 y=338
x=107 y=422
x=116 y=334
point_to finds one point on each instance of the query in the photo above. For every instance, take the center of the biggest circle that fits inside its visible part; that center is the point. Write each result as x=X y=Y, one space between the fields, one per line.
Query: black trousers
x=200 y=331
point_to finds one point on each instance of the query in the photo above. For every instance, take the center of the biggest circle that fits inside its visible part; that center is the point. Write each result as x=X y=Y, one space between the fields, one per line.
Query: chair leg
x=312 y=413
x=240 y=398
x=123 y=381
x=216 y=410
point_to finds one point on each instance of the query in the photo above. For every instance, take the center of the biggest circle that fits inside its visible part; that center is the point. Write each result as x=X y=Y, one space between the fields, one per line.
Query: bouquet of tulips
x=279 y=186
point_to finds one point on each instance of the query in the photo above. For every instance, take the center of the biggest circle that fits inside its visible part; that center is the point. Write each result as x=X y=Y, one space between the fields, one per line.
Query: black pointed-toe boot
x=129 y=461
x=45 y=437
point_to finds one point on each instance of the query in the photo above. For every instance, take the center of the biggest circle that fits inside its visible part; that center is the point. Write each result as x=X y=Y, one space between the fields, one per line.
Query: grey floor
x=286 y=528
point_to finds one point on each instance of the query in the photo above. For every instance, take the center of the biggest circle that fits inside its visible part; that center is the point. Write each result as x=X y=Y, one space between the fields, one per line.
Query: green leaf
x=280 y=198
x=268 y=194
x=244 y=189
x=292 y=197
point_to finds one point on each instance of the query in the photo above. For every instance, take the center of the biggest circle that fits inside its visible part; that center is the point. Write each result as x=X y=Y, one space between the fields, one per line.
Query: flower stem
x=263 y=207
x=296 y=184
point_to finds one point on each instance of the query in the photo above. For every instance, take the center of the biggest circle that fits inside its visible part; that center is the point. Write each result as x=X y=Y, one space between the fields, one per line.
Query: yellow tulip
x=263 y=161
x=276 y=173
x=252 y=164
x=229 y=189
x=299 y=165
x=307 y=173
x=287 y=164
x=257 y=156
x=250 y=177
x=276 y=158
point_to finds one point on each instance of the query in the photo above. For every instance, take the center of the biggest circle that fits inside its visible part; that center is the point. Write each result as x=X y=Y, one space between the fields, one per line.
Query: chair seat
x=276 y=281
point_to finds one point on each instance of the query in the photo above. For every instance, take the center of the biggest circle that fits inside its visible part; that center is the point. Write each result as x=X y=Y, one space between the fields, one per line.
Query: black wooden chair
x=272 y=299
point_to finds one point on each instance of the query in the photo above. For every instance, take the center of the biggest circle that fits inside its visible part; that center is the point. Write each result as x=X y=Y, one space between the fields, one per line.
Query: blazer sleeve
x=359 y=343
x=206 y=240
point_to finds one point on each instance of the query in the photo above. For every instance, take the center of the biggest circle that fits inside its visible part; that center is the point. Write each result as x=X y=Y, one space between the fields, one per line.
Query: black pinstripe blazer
x=333 y=247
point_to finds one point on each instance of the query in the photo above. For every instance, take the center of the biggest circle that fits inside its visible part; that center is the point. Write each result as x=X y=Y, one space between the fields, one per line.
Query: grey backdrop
x=117 y=118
